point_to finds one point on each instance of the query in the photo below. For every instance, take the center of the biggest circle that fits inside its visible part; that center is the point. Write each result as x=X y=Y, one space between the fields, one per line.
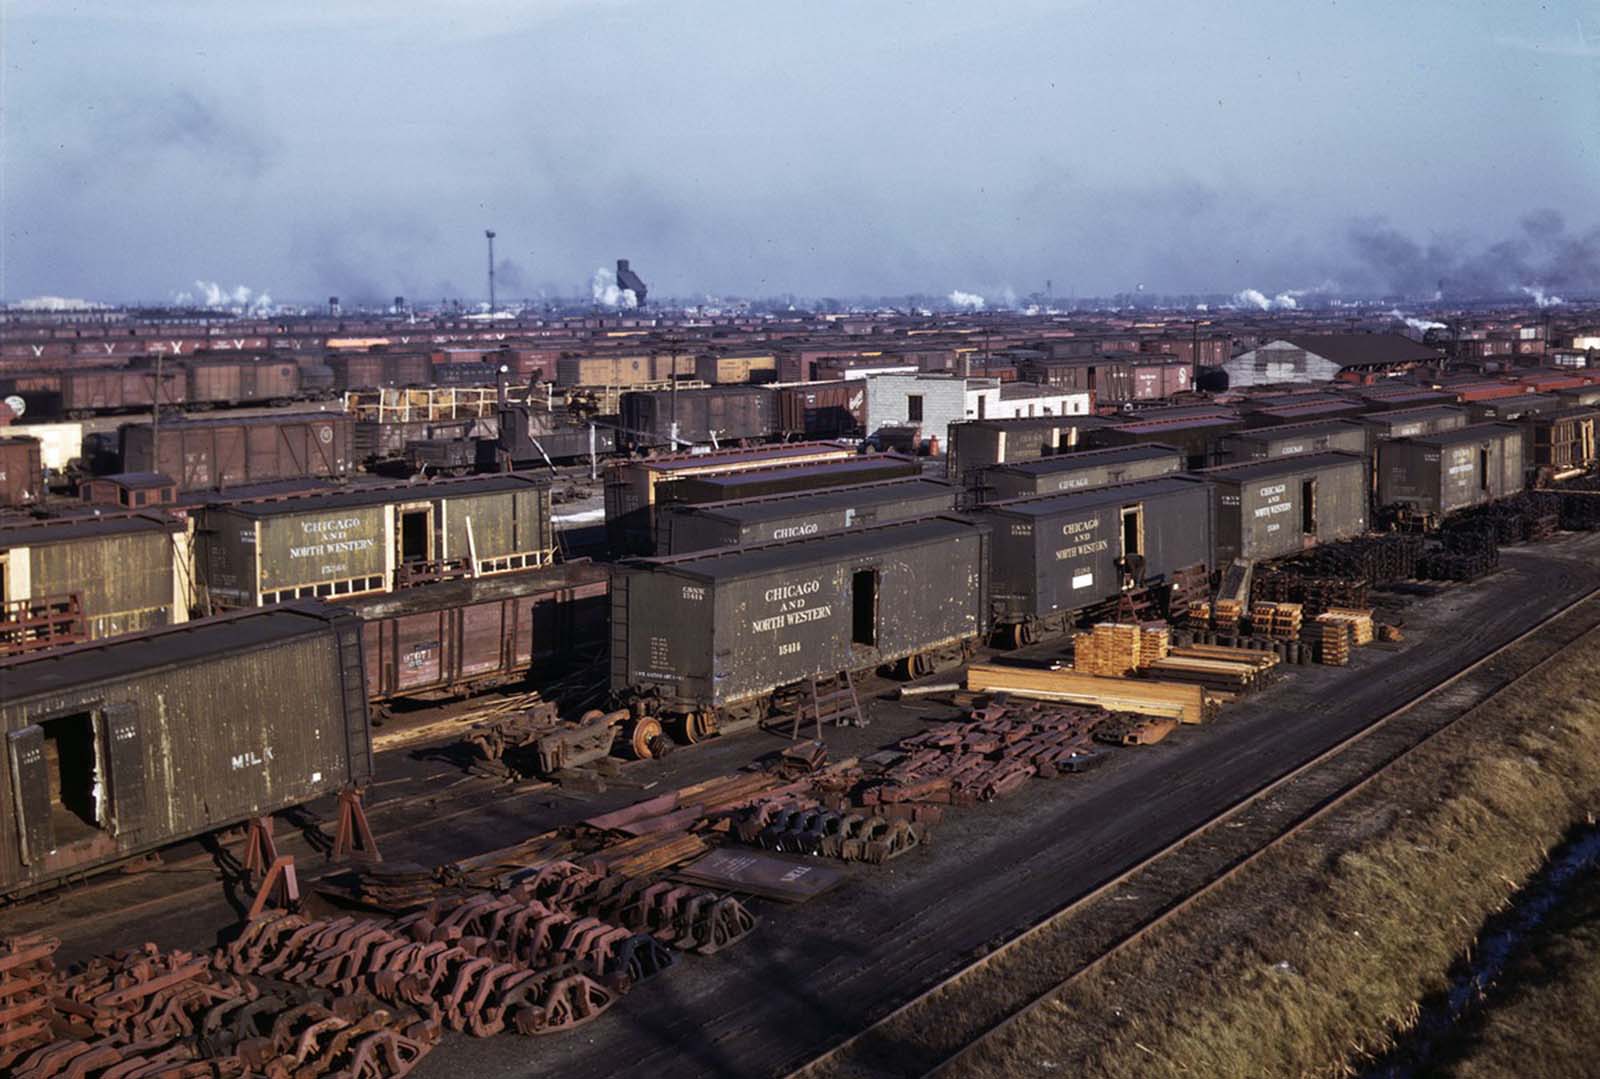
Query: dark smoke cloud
x=1542 y=255
x=184 y=120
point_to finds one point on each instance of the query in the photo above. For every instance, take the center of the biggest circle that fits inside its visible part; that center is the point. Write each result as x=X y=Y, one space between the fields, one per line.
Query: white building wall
x=1278 y=361
x=948 y=400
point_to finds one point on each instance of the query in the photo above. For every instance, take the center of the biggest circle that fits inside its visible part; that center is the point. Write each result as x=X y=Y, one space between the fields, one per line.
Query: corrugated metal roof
x=443 y=595
x=59 y=530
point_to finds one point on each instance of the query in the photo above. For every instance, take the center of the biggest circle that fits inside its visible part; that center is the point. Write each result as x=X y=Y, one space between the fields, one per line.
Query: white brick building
x=933 y=402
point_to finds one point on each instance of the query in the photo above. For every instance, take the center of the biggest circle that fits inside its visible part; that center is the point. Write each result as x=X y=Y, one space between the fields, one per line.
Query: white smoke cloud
x=966 y=301
x=1541 y=297
x=606 y=293
x=1287 y=300
x=1252 y=298
x=240 y=298
x=56 y=303
x=1420 y=325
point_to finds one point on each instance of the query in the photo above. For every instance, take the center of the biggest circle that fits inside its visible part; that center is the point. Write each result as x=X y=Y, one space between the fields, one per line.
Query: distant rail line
x=858 y=1054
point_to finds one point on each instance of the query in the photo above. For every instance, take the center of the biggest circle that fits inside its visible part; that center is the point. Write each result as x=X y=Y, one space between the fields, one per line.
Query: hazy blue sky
x=859 y=147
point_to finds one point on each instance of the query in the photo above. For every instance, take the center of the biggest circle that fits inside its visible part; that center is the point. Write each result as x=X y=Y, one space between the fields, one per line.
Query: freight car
x=79 y=392
x=119 y=747
x=337 y=544
x=1076 y=470
x=630 y=486
x=1285 y=440
x=1199 y=437
x=702 y=641
x=683 y=527
x=226 y=452
x=723 y=368
x=787 y=478
x=214 y=381
x=1284 y=505
x=822 y=409
x=101 y=575
x=443 y=638
x=21 y=471
x=710 y=414
x=528 y=436
x=1056 y=555
x=1437 y=474
x=379 y=370
x=977 y=444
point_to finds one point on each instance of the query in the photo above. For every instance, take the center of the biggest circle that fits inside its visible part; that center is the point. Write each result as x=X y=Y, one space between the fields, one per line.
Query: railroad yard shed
x=1283 y=505
x=684 y=527
x=1327 y=357
x=714 y=629
x=118 y=573
x=1078 y=469
x=121 y=746
x=344 y=543
x=1451 y=470
x=1322 y=436
x=1060 y=553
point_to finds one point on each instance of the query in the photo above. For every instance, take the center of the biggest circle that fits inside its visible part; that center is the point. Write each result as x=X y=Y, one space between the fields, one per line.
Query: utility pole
x=489 y=234
x=155 y=419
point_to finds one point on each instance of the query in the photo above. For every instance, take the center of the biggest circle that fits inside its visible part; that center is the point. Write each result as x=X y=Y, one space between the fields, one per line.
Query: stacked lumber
x=1200 y=611
x=1232 y=670
x=1360 y=622
x=645 y=855
x=1279 y=620
x=1150 y=697
x=1110 y=648
x=1229 y=613
x=1332 y=640
x=1155 y=640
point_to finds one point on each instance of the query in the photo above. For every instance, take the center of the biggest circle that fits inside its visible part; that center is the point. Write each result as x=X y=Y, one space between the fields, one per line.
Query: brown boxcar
x=448 y=636
x=216 y=381
x=21 y=470
x=118 y=747
x=709 y=414
x=833 y=409
x=378 y=370
x=221 y=452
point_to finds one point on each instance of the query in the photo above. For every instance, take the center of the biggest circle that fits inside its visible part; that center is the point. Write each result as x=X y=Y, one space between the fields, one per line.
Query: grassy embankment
x=1319 y=952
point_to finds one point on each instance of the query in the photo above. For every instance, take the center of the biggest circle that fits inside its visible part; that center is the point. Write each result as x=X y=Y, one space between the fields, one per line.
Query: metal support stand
x=354 y=835
x=260 y=850
x=281 y=888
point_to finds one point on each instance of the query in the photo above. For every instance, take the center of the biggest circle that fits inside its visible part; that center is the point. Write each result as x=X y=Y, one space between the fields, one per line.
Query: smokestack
x=489 y=234
x=333 y=306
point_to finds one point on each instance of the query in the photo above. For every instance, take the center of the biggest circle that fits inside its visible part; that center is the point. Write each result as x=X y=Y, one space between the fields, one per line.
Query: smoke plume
x=1542 y=256
x=966 y=301
x=213 y=295
x=603 y=285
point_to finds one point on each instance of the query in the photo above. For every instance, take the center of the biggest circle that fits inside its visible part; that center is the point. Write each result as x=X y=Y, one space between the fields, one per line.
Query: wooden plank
x=1186 y=702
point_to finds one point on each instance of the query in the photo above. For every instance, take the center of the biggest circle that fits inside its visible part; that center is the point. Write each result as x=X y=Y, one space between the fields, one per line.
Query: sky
x=824 y=148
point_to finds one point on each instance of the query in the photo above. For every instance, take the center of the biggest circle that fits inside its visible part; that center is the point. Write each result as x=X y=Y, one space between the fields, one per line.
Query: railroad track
x=888 y=1045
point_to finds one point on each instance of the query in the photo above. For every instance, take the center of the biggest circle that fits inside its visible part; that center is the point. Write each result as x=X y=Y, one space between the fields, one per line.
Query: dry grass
x=1319 y=952
x=1546 y=1022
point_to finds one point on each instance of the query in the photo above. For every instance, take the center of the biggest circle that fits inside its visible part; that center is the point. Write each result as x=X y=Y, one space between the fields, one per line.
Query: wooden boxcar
x=1452 y=470
x=1076 y=470
x=1284 y=505
x=21 y=470
x=118 y=747
x=237 y=381
x=227 y=452
x=715 y=633
x=453 y=635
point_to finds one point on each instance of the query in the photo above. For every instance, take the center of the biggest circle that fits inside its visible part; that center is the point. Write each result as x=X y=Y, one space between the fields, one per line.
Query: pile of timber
x=1332 y=641
x=1115 y=648
x=1149 y=697
x=1228 y=614
x=1229 y=670
x=1359 y=621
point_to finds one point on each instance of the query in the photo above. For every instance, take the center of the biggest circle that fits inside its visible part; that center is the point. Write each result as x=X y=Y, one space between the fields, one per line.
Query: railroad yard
x=639 y=711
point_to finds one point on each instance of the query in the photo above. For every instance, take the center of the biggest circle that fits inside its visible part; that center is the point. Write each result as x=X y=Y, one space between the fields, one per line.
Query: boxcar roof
x=721 y=457
x=1091 y=497
x=1075 y=459
x=247 y=421
x=759 y=508
x=313 y=501
x=32 y=533
x=1295 y=430
x=1280 y=466
x=752 y=561
x=1476 y=432
x=119 y=657
x=1413 y=415
x=847 y=466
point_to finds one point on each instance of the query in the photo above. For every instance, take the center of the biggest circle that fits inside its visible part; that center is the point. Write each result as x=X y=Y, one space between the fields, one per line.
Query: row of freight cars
x=268 y=707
